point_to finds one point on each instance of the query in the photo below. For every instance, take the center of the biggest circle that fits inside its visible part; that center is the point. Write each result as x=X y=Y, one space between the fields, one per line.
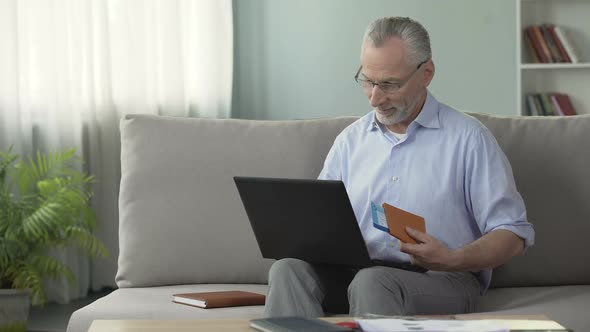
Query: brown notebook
x=398 y=219
x=219 y=299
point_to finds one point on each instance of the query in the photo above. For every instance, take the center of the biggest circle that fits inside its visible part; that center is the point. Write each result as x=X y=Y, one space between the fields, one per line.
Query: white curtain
x=70 y=69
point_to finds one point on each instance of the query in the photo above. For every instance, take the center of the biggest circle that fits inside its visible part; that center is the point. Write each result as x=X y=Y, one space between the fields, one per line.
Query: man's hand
x=430 y=252
x=491 y=250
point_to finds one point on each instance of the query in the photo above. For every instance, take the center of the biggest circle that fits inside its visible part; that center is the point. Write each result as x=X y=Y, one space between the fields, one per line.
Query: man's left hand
x=430 y=252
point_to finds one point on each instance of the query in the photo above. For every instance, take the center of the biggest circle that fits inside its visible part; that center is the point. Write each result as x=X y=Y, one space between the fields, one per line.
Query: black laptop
x=311 y=220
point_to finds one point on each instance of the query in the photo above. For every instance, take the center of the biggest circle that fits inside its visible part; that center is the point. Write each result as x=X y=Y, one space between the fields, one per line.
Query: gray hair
x=405 y=28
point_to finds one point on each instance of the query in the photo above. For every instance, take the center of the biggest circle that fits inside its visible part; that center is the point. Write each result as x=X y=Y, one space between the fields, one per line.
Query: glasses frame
x=389 y=85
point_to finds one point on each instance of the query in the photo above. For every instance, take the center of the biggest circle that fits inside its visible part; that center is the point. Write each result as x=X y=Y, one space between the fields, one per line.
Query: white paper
x=431 y=325
x=528 y=324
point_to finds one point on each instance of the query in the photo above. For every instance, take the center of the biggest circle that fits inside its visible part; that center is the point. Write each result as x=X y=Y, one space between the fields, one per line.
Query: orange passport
x=219 y=299
x=398 y=220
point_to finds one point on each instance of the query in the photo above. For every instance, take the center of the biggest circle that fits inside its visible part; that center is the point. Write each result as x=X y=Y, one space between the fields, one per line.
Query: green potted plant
x=44 y=204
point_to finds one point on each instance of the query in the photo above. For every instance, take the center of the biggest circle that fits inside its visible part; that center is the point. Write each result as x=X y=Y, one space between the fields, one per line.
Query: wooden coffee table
x=234 y=325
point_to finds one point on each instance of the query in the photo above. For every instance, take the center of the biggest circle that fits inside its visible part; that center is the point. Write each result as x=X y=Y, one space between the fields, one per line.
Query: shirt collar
x=428 y=117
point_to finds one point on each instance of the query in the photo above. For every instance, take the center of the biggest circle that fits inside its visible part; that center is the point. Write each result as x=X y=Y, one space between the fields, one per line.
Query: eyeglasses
x=387 y=87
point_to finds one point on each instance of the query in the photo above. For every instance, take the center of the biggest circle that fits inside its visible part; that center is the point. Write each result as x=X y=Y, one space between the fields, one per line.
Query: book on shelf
x=555 y=54
x=548 y=104
x=567 y=45
x=556 y=107
x=565 y=104
x=559 y=44
x=543 y=44
x=219 y=299
x=539 y=104
x=547 y=43
x=531 y=106
x=534 y=48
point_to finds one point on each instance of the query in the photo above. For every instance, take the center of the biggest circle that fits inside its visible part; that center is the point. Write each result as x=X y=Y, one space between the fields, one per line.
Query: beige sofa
x=183 y=227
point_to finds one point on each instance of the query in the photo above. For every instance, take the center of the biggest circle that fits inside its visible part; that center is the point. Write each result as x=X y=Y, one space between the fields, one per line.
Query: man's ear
x=429 y=70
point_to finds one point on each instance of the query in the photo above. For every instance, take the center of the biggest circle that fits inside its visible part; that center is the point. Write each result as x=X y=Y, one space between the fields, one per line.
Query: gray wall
x=295 y=59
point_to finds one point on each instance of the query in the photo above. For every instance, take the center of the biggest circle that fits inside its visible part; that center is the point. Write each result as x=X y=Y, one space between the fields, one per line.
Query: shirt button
x=395 y=178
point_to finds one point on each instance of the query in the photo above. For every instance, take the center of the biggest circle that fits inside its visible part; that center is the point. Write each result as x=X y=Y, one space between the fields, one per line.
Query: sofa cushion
x=550 y=158
x=156 y=303
x=563 y=304
x=181 y=220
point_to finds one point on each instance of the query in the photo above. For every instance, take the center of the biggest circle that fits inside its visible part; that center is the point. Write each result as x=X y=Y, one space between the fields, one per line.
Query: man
x=424 y=157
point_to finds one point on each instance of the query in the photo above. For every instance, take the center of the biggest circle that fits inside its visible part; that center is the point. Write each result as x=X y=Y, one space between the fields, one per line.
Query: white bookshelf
x=570 y=78
x=525 y=66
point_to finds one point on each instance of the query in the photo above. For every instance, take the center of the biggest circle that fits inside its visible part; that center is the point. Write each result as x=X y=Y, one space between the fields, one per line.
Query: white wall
x=295 y=59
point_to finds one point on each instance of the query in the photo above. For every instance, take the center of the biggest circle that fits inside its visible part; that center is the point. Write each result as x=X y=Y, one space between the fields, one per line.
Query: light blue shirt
x=449 y=169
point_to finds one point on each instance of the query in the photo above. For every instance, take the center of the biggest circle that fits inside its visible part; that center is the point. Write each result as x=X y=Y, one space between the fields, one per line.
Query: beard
x=398 y=115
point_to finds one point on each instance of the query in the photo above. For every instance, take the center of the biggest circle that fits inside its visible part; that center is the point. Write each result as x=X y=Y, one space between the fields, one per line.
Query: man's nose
x=377 y=96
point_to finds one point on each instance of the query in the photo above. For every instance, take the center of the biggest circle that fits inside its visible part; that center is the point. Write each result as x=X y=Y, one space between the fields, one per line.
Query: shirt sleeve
x=491 y=192
x=332 y=169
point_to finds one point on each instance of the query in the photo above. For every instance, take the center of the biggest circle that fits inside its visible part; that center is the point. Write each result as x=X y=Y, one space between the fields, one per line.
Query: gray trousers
x=298 y=288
